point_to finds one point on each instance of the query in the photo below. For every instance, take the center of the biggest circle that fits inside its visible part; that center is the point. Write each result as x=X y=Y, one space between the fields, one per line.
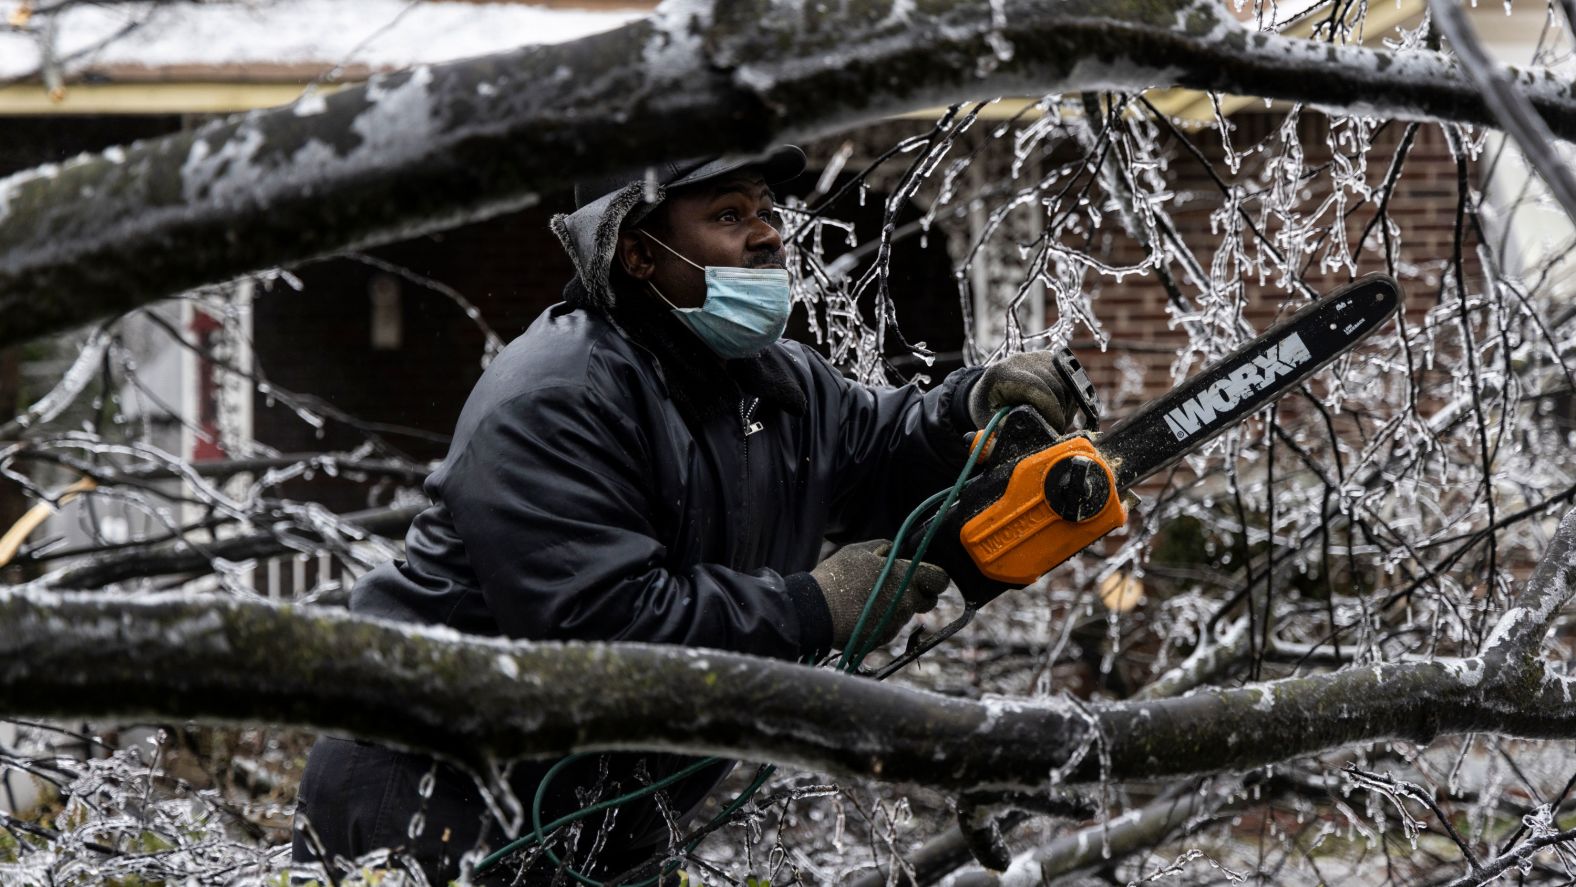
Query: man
x=649 y=462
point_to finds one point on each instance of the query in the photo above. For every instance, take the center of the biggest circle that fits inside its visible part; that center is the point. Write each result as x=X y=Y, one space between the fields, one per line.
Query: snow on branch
x=1519 y=635
x=433 y=147
x=224 y=659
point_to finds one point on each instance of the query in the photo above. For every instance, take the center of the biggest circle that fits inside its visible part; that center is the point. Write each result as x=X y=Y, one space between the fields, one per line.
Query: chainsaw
x=1041 y=496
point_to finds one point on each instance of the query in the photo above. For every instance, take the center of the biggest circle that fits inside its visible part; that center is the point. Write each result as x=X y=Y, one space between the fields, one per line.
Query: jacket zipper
x=746 y=413
x=748 y=427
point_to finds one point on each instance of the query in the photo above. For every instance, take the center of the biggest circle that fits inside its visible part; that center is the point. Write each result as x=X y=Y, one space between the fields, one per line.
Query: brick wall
x=1423 y=205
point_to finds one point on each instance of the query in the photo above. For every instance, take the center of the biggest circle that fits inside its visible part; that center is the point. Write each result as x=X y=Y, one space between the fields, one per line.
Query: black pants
x=356 y=797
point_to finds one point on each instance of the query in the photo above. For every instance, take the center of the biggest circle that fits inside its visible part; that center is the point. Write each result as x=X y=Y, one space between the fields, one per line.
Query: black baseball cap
x=780 y=164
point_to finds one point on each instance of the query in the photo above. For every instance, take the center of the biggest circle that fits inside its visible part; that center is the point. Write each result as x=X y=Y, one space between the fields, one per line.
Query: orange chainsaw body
x=1038 y=499
x=1019 y=537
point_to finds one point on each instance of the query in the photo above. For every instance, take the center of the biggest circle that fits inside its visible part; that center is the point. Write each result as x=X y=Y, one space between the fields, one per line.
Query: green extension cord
x=853 y=656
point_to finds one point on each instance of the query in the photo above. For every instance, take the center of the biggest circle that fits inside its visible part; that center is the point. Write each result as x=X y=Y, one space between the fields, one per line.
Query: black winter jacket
x=611 y=480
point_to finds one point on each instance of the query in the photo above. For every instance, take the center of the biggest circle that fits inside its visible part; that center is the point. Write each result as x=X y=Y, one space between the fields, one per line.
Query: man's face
x=728 y=222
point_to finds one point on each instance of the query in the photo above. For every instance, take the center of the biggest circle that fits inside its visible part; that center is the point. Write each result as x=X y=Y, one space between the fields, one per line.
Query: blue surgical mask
x=746 y=309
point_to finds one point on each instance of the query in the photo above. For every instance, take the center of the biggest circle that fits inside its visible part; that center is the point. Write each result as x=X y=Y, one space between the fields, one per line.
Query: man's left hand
x=1029 y=378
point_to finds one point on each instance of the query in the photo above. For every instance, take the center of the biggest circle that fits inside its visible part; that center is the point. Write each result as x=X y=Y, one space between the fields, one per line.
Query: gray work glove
x=847 y=577
x=1028 y=378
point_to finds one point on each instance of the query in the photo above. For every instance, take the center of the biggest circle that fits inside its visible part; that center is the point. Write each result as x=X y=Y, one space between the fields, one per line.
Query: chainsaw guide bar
x=1249 y=379
x=1041 y=497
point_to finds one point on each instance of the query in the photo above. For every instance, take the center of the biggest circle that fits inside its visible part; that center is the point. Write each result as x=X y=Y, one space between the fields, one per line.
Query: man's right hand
x=847 y=577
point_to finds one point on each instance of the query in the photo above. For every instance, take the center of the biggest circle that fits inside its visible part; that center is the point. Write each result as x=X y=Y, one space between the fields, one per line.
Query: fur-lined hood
x=590 y=235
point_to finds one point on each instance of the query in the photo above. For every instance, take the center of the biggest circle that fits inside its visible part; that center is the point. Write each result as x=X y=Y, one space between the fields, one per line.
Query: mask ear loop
x=665 y=299
x=670 y=249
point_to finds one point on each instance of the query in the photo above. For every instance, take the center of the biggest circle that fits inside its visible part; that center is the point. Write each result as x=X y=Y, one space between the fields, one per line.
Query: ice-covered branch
x=84 y=369
x=1521 y=630
x=1209 y=659
x=1084 y=848
x=432 y=147
x=183 y=556
x=1520 y=855
x=219 y=658
x=352 y=464
x=223 y=659
x=1093 y=846
x=1513 y=112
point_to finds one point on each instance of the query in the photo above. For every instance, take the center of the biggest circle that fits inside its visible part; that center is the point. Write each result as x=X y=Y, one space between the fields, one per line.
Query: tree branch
x=224 y=659
x=1132 y=831
x=332 y=464
x=1517 y=856
x=84 y=369
x=184 y=556
x=1512 y=110
x=1209 y=659
x=433 y=147
x=1518 y=637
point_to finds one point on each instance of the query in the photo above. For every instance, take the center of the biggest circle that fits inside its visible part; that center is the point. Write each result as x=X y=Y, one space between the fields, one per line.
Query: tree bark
x=432 y=147
x=214 y=658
